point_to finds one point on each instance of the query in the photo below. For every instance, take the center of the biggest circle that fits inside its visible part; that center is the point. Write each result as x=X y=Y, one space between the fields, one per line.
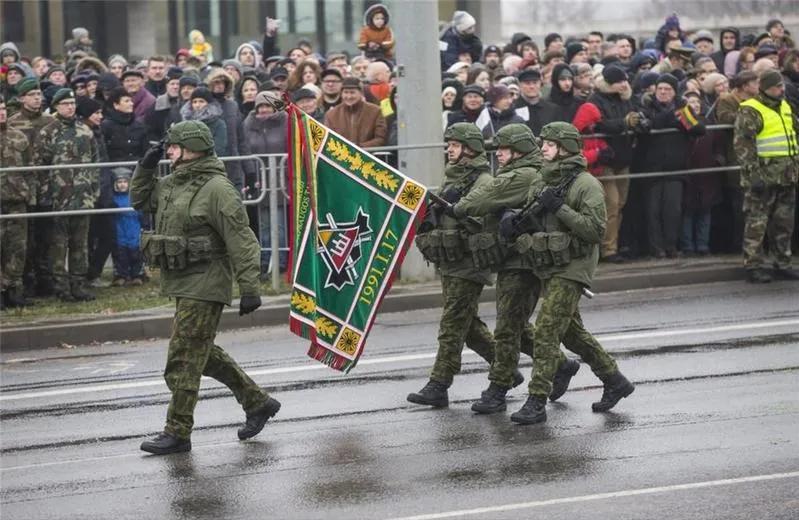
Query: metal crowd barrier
x=271 y=173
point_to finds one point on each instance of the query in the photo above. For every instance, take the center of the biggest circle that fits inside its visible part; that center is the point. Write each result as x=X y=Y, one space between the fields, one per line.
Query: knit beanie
x=87 y=106
x=572 y=50
x=613 y=74
x=463 y=21
x=203 y=93
x=702 y=34
x=668 y=79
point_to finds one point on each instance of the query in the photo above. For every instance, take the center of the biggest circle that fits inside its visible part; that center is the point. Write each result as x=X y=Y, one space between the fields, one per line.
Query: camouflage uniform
x=565 y=251
x=517 y=286
x=68 y=141
x=201 y=238
x=769 y=209
x=16 y=194
x=37 y=263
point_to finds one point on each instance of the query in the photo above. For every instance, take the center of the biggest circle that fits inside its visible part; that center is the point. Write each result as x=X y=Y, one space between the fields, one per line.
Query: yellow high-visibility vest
x=778 y=136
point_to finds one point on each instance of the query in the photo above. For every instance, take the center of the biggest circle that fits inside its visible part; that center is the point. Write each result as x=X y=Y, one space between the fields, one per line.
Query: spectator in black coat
x=535 y=111
x=561 y=95
x=125 y=138
x=459 y=40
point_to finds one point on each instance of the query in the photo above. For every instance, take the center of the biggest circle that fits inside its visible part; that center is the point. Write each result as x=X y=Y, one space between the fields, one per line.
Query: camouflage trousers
x=13 y=245
x=559 y=322
x=192 y=354
x=517 y=294
x=70 y=237
x=770 y=214
x=460 y=324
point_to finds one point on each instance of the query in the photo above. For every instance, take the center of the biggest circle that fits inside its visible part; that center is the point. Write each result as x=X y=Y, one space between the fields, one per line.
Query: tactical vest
x=778 y=136
x=176 y=244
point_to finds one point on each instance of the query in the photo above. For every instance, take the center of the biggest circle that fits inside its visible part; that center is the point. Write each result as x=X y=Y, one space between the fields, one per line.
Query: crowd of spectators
x=616 y=89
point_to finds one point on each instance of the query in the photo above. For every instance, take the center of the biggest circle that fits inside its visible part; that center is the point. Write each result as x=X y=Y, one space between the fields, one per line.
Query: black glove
x=248 y=304
x=451 y=195
x=152 y=156
x=550 y=200
x=757 y=187
x=606 y=155
x=507 y=224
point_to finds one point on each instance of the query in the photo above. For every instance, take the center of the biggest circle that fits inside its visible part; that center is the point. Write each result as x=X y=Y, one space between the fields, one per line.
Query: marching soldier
x=563 y=247
x=202 y=240
x=766 y=144
x=16 y=194
x=444 y=241
x=65 y=140
x=518 y=288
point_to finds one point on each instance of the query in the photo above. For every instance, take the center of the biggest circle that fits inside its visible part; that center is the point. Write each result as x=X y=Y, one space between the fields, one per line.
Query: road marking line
x=391 y=359
x=601 y=496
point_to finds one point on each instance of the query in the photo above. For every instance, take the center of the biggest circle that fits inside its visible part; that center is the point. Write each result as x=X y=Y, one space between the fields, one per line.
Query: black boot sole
x=525 y=419
x=604 y=407
x=155 y=450
x=270 y=409
x=419 y=399
x=488 y=411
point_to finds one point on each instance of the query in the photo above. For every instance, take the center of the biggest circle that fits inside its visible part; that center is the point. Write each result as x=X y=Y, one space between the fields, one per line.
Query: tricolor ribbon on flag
x=352 y=219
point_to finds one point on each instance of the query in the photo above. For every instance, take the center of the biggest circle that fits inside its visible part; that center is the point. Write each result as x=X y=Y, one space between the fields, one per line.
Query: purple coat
x=143 y=103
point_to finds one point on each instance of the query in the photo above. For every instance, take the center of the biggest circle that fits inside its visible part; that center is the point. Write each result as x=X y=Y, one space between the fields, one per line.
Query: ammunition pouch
x=554 y=249
x=429 y=244
x=558 y=243
x=176 y=253
x=453 y=245
x=487 y=250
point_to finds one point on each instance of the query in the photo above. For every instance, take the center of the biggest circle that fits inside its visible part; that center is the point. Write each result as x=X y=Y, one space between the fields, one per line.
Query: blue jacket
x=128 y=225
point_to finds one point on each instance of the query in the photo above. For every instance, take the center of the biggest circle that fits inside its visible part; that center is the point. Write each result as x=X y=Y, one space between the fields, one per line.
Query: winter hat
x=132 y=72
x=551 y=55
x=572 y=49
x=455 y=67
x=189 y=80
x=120 y=172
x=640 y=59
x=492 y=49
x=614 y=74
x=768 y=79
x=710 y=82
x=352 y=82
x=269 y=98
x=647 y=79
x=529 y=75
x=61 y=95
x=87 y=106
x=449 y=90
x=80 y=32
x=497 y=92
x=26 y=85
x=565 y=72
x=313 y=88
x=463 y=21
x=672 y=22
x=303 y=93
x=202 y=93
x=117 y=58
x=474 y=89
x=174 y=73
x=765 y=50
x=79 y=79
x=742 y=78
x=236 y=64
x=702 y=34
x=279 y=72
x=668 y=79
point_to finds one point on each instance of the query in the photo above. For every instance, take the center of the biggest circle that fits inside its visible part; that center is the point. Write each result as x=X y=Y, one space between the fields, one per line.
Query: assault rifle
x=530 y=218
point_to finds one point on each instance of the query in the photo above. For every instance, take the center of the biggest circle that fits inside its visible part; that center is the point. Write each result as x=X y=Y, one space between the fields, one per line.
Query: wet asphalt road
x=712 y=430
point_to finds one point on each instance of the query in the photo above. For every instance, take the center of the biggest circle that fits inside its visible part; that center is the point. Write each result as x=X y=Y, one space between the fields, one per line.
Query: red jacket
x=585 y=119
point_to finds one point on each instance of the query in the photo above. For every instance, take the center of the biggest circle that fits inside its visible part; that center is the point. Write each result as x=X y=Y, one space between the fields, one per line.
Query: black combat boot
x=65 y=296
x=164 y=444
x=433 y=394
x=256 y=420
x=15 y=297
x=563 y=377
x=757 y=276
x=534 y=411
x=786 y=274
x=492 y=400
x=616 y=388
x=80 y=293
x=518 y=379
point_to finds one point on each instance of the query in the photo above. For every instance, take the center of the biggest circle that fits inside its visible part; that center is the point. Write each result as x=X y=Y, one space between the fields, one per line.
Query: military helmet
x=191 y=135
x=466 y=133
x=565 y=134
x=517 y=136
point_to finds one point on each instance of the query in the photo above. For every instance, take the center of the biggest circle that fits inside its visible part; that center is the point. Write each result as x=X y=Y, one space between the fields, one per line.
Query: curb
x=159 y=326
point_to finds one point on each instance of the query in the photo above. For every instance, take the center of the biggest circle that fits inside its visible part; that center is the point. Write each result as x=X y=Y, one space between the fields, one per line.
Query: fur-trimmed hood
x=602 y=86
x=90 y=63
x=219 y=73
x=367 y=16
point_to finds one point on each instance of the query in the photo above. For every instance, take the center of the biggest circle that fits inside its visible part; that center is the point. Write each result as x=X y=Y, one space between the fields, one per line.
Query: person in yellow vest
x=766 y=146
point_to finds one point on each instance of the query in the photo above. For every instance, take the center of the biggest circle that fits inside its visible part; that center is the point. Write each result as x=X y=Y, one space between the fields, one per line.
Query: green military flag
x=352 y=219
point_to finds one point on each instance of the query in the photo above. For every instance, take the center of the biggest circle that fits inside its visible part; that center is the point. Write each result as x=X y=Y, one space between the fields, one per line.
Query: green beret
x=61 y=95
x=26 y=85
